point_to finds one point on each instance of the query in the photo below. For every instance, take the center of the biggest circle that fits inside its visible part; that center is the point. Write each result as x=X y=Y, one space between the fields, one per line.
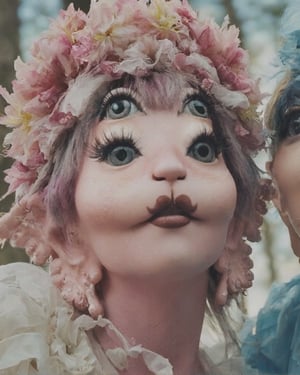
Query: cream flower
x=39 y=334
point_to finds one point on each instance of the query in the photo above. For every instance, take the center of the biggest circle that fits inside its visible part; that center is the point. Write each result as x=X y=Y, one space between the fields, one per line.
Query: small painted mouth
x=172 y=213
x=171 y=221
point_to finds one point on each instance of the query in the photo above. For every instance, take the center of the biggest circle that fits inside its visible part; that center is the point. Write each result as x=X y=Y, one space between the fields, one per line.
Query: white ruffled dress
x=40 y=335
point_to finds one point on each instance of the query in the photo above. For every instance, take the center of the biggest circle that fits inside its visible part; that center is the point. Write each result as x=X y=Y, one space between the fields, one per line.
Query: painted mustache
x=166 y=206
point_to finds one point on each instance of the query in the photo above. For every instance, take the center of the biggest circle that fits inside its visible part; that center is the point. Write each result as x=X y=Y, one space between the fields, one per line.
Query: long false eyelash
x=208 y=137
x=101 y=149
x=120 y=93
x=197 y=94
x=291 y=117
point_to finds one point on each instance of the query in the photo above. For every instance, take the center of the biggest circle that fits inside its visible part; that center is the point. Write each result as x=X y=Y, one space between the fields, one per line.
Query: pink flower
x=146 y=53
x=63 y=119
x=19 y=175
x=82 y=49
x=67 y=23
x=116 y=37
x=196 y=64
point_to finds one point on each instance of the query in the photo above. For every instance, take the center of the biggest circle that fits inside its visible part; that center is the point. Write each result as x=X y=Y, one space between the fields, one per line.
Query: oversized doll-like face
x=285 y=170
x=285 y=167
x=286 y=175
x=153 y=195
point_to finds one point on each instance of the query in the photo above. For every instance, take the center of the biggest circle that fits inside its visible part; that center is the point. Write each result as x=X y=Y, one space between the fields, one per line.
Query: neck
x=164 y=317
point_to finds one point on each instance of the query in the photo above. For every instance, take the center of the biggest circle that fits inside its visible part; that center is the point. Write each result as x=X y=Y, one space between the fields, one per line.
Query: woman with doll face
x=135 y=184
x=153 y=188
x=271 y=342
x=284 y=167
x=152 y=192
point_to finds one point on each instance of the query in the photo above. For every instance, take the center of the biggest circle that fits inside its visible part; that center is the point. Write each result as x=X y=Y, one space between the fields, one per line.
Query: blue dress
x=271 y=342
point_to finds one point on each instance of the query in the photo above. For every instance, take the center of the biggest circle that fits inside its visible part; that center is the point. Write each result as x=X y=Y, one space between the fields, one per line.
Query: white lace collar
x=40 y=336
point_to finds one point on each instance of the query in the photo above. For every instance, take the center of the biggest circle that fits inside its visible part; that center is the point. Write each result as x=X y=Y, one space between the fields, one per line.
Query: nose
x=169 y=168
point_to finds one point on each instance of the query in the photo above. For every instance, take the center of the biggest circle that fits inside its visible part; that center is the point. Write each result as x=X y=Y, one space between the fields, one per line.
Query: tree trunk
x=9 y=42
x=233 y=17
x=79 y=4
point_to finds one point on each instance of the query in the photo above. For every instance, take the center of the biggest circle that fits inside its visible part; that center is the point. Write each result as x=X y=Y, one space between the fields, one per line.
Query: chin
x=178 y=265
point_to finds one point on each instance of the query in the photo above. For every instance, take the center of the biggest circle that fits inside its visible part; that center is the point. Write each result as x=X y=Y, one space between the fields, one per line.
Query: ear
x=24 y=226
x=280 y=205
x=294 y=237
x=276 y=199
x=75 y=270
x=268 y=166
x=234 y=265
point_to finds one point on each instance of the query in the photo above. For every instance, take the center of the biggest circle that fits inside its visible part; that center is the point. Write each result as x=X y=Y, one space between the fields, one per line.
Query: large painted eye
x=196 y=107
x=121 y=155
x=293 y=124
x=204 y=148
x=119 y=107
x=115 y=150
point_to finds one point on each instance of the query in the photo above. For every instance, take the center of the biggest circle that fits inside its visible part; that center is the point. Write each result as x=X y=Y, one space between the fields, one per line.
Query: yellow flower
x=25 y=121
x=69 y=34
x=20 y=119
x=100 y=37
x=163 y=20
x=249 y=113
